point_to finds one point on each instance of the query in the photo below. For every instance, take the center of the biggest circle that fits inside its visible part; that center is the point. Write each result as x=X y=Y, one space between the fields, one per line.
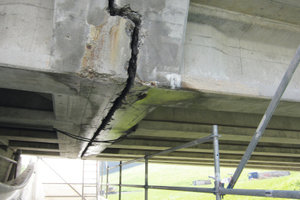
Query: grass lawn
x=181 y=175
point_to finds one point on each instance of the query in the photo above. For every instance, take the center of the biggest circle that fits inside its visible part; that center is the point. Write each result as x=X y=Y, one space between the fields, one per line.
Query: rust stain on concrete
x=114 y=44
x=104 y=48
x=93 y=48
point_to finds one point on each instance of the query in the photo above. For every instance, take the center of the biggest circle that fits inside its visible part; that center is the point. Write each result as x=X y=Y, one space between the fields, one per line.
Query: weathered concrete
x=67 y=54
x=154 y=73
x=161 y=40
x=280 y=10
x=26 y=33
x=240 y=54
x=235 y=61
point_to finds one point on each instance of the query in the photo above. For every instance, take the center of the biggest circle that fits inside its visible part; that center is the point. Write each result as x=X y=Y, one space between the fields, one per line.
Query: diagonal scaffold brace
x=267 y=116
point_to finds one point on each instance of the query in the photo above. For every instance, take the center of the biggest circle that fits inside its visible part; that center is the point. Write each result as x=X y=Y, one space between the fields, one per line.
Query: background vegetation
x=181 y=175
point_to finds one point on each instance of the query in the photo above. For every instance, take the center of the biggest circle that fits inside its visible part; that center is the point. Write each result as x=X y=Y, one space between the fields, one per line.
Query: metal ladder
x=90 y=180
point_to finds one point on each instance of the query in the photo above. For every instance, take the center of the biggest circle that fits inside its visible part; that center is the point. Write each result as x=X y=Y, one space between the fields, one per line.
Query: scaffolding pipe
x=120 y=181
x=187 y=189
x=146 y=176
x=97 y=179
x=107 y=173
x=216 y=161
x=102 y=172
x=63 y=179
x=218 y=190
x=266 y=118
x=8 y=159
x=82 y=188
x=189 y=144
x=263 y=193
x=126 y=185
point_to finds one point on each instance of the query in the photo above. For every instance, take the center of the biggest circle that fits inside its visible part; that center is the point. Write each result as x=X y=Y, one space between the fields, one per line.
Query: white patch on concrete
x=175 y=80
x=151 y=109
x=153 y=74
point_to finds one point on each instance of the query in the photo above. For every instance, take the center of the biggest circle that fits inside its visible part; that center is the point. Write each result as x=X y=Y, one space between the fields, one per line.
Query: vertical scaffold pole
x=102 y=173
x=97 y=179
x=146 y=176
x=217 y=162
x=82 y=189
x=120 y=181
x=107 y=173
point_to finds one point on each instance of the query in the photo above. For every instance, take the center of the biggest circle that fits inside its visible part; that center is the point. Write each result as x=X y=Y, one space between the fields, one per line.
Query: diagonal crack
x=127 y=13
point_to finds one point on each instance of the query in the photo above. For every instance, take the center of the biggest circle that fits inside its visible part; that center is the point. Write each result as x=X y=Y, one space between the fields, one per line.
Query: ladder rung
x=90 y=177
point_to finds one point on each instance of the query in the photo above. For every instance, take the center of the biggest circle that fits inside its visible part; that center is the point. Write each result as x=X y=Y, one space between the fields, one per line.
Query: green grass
x=180 y=175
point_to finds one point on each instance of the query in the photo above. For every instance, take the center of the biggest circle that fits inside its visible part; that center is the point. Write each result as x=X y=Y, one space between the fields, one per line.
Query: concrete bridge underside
x=155 y=74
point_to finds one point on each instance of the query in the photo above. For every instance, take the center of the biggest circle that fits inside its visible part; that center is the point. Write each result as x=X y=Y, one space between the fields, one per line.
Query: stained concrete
x=69 y=56
x=280 y=10
x=247 y=56
x=161 y=40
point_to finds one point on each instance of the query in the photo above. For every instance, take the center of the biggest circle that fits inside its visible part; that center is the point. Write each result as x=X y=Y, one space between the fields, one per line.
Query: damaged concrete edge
x=126 y=12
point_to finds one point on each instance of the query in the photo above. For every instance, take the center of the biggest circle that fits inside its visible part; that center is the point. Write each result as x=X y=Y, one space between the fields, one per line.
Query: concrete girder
x=233 y=119
x=168 y=130
x=229 y=148
x=30 y=135
x=207 y=163
x=165 y=124
x=237 y=53
x=131 y=154
x=25 y=116
x=33 y=145
x=283 y=11
x=43 y=153
x=26 y=139
x=39 y=81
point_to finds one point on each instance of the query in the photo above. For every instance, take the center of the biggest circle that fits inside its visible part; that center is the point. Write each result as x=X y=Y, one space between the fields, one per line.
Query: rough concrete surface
x=162 y=40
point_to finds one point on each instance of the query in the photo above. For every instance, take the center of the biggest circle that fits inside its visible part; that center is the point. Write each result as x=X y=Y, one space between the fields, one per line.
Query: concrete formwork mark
x=125 y=12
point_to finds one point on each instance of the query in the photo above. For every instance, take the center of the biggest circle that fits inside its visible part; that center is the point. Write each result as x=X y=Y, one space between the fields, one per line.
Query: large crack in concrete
x=127 y=13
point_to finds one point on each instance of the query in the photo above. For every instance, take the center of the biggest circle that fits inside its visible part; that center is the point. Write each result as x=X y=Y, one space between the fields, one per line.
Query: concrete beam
x=163 y=129
x=30 y=135
x=232 y=119
x=25 y=116
x=230 y=147
x=207 y=163
x=44 y=81
x=15 y=132
x=21 y=145
x=41 y=153
x=289 y=10
x=129 y=153
x=235 y=53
